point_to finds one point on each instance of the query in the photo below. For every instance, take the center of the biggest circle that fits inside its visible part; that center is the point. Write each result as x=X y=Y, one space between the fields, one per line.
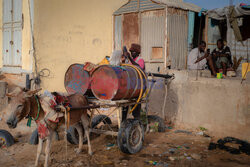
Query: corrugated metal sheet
x=130 y=29
x=177 y=26
x=118 y=32
x=152 y=32
x=133 y=6
x=237 y=49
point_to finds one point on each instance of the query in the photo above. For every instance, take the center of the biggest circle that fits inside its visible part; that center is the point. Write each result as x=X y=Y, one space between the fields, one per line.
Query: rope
x=38 y=105
x=140 y=72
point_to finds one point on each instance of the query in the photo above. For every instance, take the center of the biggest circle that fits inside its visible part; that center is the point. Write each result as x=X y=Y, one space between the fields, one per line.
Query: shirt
x=193 y=56
x=140 y=62
x=225 y=50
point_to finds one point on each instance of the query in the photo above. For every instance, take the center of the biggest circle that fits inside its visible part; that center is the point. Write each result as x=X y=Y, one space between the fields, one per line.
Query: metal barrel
x=77 y=80
x=116 y=82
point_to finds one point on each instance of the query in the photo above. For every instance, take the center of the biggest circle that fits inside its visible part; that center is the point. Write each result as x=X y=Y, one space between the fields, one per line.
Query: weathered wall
x=220 y=105
x=71 y=31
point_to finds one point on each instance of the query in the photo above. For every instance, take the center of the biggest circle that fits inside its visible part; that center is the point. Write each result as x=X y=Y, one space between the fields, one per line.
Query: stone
x=196 y=156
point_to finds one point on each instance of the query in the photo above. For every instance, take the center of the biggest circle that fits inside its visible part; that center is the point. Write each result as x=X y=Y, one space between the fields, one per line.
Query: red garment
x=140 y=62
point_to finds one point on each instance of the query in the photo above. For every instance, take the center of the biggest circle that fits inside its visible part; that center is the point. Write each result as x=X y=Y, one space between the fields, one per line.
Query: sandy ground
x=160 y=149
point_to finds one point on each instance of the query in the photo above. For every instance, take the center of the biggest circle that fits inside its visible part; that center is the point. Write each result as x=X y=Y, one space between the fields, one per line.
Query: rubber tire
x=72 y=134
x=155 y=118
x=73 y=137
x=34 y=138
x=9 y=140
x=124 y=135
x=100 y=118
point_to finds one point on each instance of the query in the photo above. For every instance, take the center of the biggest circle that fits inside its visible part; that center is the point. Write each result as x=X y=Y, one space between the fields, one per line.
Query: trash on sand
x=172 y=150
x=179 y=147
x=189 y=158
x=109 y=146
x=183 y=131
x=169 y=127
x=185 y=154
x=151 y=162
x=202 y=128
x=154 y=127
x=196 y=156
x=162 y=164
x=200 y=133
x=243 y=148
x=171 y=158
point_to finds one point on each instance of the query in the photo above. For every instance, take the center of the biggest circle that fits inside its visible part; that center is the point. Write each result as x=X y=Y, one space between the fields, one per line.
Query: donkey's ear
x=32 y=92
x=10 y=94
x=14 y=93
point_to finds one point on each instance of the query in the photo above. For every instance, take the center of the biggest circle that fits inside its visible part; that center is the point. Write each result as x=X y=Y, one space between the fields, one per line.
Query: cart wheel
x=6 y=139
x=73 y=136
x=130 y=136
x=100 y=118
x=156 y=119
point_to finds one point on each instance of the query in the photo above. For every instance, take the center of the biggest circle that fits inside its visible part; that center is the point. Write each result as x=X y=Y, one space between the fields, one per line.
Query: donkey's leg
x=85 y=122
x=80 y=133
x=47 y=148
x=39 y=150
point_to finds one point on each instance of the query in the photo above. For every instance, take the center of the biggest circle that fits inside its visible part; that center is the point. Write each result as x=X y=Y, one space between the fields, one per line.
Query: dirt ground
x=160 y=149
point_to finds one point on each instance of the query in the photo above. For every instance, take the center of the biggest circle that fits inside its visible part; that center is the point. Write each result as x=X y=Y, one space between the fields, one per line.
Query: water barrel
x=77 y=80
x=116 y=82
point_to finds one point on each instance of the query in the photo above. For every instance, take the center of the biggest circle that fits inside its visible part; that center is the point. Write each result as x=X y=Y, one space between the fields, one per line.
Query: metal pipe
x=160 y=75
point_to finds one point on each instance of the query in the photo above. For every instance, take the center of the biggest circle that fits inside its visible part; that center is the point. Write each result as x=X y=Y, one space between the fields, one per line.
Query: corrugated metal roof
x=180 y=4
x=144 y=5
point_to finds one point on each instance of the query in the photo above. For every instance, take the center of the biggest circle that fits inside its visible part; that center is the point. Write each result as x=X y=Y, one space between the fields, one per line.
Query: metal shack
x=165 y=29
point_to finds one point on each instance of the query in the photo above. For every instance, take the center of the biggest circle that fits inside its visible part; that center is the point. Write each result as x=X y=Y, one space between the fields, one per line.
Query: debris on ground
x=196 y=156
x=183 y=131
x=109 y=146
x=243 y=146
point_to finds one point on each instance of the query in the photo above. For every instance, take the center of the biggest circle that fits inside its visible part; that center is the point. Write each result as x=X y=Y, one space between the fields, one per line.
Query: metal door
x=12 y=34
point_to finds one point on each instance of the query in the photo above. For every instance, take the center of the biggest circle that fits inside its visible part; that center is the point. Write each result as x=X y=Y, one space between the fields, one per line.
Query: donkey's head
x=19 y=105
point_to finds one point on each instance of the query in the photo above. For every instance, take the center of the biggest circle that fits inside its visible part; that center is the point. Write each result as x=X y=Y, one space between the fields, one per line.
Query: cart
x=130 y=133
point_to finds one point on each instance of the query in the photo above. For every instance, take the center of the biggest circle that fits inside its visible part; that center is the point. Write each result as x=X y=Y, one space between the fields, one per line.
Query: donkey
x=25 y=104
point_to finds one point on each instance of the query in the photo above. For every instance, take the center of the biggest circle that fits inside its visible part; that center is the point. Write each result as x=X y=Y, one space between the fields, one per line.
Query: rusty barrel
x=116 y=82
x=76 y=79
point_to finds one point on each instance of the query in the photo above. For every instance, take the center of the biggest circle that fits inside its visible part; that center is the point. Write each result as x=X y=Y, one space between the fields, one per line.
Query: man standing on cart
x=135 y=59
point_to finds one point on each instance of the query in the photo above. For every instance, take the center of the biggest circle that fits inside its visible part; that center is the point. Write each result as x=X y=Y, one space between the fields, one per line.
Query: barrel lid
x=76 y=79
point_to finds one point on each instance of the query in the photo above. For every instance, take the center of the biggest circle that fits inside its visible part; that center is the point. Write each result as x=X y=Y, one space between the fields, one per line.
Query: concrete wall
x=71 y=31
x=220 y=105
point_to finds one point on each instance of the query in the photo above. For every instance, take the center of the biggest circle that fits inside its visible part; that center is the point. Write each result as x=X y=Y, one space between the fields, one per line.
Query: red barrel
x=76 y=79
x=116 y=82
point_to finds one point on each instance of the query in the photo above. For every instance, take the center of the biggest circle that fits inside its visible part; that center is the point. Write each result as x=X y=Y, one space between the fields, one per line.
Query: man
x=197 y=58
x=134 y=59
x=221 y=57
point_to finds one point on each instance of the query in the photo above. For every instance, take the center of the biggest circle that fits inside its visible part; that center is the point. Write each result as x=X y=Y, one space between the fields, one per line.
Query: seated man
x=197 y=57
x=221 y=57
